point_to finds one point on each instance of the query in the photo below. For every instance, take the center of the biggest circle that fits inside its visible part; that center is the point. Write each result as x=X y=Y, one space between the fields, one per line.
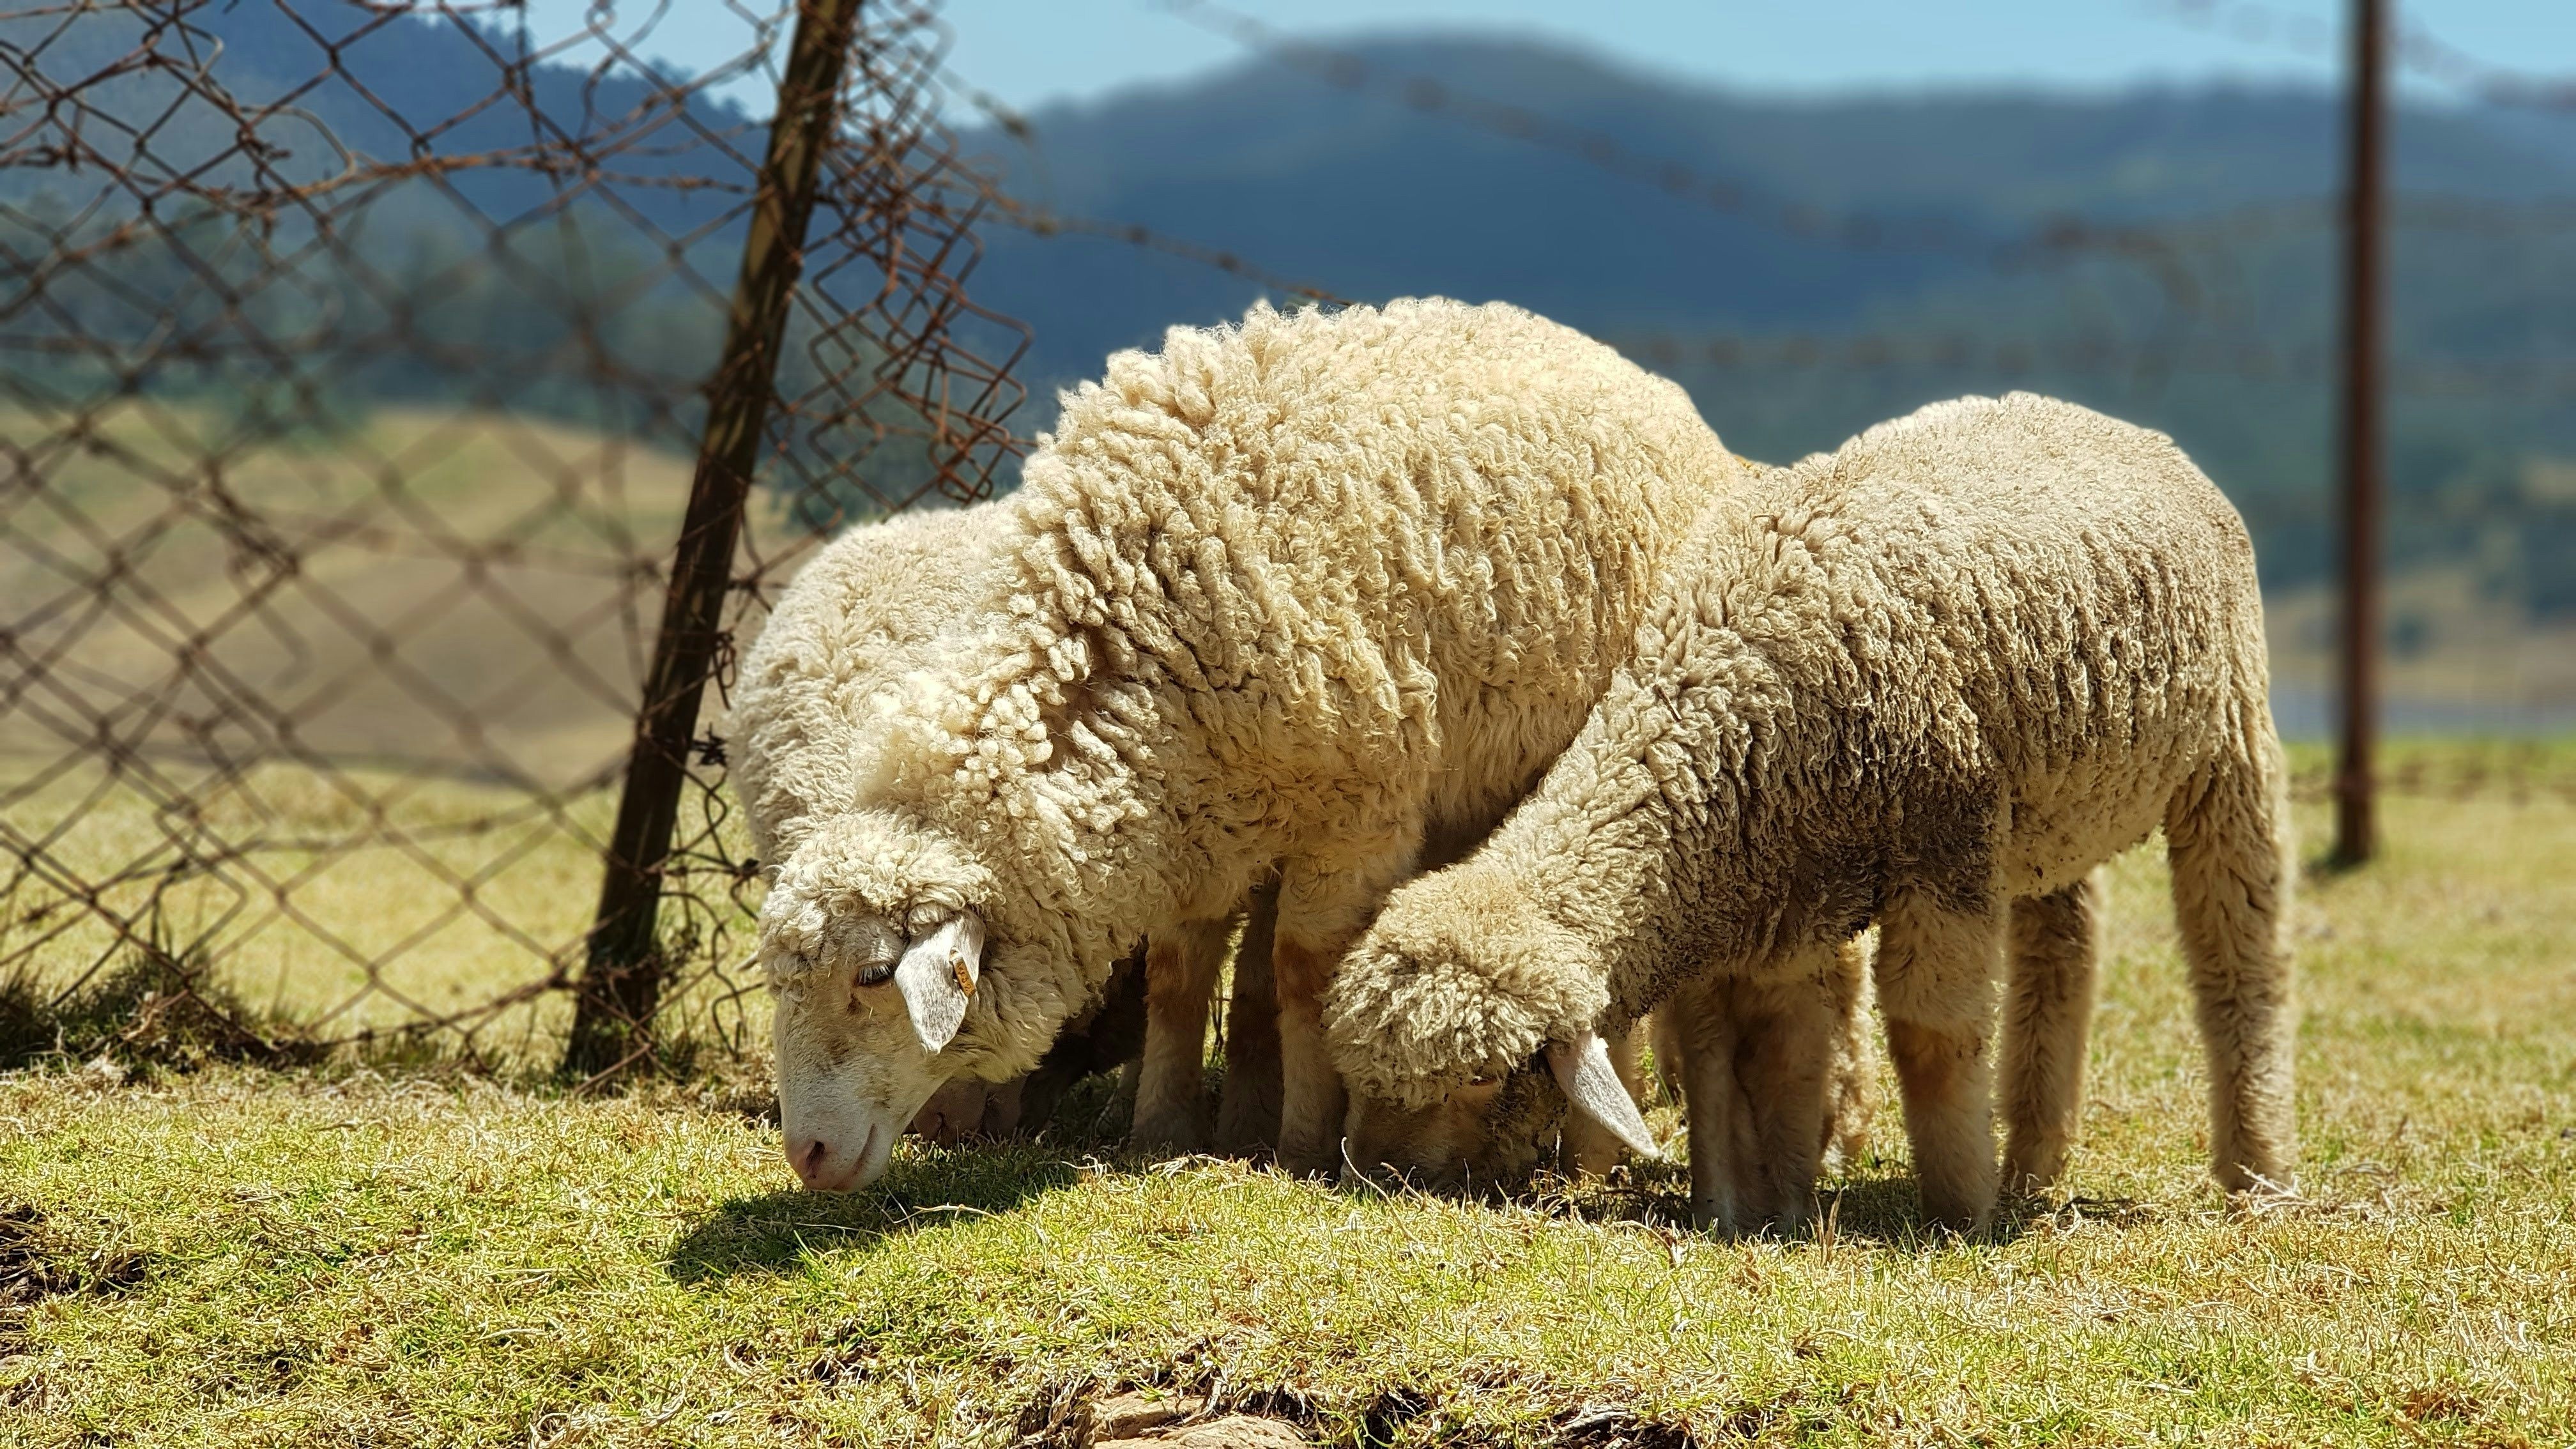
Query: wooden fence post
x=2364 y=335
x=622 y=977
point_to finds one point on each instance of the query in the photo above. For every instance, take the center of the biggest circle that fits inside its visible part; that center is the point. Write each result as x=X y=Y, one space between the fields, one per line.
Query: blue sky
x=1029 y=52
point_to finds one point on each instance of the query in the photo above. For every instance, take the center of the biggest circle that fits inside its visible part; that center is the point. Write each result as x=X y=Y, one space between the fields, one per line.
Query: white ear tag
x=1592 y=1084
x=937 y=977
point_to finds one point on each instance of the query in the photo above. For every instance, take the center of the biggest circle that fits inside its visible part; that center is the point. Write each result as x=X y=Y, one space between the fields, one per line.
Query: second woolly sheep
x=1931 y=680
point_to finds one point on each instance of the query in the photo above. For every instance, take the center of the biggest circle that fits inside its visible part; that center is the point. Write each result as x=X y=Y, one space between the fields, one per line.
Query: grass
x=254 y=1257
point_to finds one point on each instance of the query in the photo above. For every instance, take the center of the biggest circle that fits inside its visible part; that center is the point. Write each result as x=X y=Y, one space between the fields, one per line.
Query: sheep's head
x=873 y=939
x=1461 y=981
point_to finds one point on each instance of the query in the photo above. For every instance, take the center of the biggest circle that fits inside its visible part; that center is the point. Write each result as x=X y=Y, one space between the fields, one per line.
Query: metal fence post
x=2356 y=828
x=622 y=977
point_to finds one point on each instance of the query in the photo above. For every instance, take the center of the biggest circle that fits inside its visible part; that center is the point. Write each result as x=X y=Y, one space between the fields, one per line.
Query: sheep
x=1931 y=680
x=1285 y=597
x=865 y=612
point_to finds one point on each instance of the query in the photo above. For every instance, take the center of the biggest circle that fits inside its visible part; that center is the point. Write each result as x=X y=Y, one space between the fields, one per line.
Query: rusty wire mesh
x=343 y=441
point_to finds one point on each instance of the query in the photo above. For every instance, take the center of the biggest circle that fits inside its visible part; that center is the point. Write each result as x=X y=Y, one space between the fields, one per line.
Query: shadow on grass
x=1878 y=1206
x=780 y=1232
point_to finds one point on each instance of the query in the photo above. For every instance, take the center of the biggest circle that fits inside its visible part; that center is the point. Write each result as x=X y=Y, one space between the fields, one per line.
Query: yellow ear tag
x=965 y=982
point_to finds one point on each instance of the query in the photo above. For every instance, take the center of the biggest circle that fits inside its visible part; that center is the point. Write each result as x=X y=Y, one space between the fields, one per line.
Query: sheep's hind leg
x=1324 y=902
x=2048 y=1015
x=1247 y=1107
x=1851 y=1092
x=1937 y=970
x=1180 y=974
x=2227 y=835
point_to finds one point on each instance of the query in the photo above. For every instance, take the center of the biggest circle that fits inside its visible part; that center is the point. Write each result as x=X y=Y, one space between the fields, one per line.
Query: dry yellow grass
x=364 y=686
x=256 y=1259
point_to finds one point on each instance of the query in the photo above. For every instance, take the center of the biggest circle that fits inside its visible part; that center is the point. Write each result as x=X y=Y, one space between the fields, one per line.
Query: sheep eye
x=876 y=973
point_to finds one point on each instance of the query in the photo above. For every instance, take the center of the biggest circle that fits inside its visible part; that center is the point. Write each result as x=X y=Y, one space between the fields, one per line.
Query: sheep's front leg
x=1790 y=1034
x=1700 y=1030
x=1937 y=974
x=2048 y=1015
x=1180 y=975
x=1323 y=905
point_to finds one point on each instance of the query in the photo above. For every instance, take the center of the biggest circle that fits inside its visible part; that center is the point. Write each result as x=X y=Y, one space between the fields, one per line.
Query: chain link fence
x=347 y=437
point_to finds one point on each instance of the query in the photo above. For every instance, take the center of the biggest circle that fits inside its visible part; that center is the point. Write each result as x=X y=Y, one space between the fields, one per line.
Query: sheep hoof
x=1167 y=1134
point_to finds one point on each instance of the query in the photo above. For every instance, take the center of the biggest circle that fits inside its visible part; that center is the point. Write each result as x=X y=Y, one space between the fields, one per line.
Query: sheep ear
x=1592 y=1084
x=938 y=975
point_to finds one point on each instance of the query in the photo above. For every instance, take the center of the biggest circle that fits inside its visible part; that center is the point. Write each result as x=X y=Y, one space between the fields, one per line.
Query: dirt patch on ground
x=37 y=1262
x=1162 y=1418
x=1137 y=1421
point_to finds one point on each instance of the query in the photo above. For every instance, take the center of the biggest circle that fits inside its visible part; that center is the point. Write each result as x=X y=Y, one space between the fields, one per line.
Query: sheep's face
x=1441 y=1013
x=873 y=941
x=1442 y=1145
x=1493 y=1130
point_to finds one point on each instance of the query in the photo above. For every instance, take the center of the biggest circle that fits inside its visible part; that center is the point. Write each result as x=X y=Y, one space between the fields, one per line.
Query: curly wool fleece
x=832 y=656
x=1288 y=595
x=1955 y=664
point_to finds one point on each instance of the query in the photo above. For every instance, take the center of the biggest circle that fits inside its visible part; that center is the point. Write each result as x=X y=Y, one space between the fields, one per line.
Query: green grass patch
x=244 y=1256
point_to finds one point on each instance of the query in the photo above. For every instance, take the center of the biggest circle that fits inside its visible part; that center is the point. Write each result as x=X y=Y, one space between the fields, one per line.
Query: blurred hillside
x=1875 y=254
x=1805 y=267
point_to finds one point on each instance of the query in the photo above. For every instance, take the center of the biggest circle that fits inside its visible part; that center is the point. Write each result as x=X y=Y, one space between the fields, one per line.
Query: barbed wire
x=2080 y=354
x=1045 y=222
x=2518 y=773
x=2418 y=49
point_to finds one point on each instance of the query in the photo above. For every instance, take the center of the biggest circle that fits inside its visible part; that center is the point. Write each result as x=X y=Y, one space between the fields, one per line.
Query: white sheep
x=873 y=605
x=1931 y=680
x=1286 y=597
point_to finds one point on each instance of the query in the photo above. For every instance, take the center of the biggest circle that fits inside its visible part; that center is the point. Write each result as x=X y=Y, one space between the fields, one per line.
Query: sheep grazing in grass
x=1285 y=597
x=1930 y=680
x=873 y=606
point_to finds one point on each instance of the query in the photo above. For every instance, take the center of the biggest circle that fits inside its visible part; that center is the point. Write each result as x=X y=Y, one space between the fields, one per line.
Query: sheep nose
x=810 y=1156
